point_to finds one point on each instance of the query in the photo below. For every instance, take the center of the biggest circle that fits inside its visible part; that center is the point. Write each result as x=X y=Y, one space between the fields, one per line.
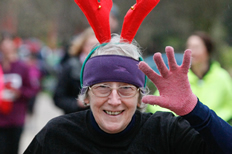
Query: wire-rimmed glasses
x=125 y=91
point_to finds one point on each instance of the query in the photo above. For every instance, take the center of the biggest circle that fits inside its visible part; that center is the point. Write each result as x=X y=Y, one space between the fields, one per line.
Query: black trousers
x=9 y=140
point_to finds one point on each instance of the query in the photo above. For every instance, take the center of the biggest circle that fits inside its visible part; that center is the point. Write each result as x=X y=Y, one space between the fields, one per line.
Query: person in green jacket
x=208 y=80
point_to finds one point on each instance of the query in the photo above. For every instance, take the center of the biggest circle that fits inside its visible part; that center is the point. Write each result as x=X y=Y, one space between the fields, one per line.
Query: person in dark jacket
x=68 y=86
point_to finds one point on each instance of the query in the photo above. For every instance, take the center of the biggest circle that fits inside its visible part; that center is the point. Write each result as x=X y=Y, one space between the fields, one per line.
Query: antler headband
x=98 y=14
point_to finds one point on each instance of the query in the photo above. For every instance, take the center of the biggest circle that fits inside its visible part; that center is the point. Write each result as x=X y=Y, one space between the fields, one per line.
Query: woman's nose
x=114 y=98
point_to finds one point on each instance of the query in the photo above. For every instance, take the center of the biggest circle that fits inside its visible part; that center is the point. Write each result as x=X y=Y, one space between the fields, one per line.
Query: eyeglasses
x=101 y=90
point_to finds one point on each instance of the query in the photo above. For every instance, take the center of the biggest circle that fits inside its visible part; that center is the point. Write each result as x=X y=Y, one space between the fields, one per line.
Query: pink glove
x=173 y=84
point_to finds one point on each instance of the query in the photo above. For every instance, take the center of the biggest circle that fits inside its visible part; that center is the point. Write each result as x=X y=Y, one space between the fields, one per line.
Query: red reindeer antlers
x=135 y=17
x=98 y=14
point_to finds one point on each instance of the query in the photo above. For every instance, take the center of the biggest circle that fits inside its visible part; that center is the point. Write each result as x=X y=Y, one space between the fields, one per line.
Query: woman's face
x=199 y=50
x=113 y=113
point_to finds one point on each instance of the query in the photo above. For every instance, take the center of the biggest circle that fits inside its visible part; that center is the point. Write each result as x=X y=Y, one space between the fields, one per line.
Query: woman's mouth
x=113 y=113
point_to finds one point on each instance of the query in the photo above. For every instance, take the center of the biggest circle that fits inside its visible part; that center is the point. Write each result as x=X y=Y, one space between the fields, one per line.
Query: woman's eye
x=125 y=87
x=103 y=86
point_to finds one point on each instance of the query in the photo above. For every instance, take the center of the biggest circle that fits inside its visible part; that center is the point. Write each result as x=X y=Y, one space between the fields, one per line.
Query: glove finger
x=146 y=69
x=154 y=100
x=186 y=61
x=160 y=64
x=171 y=58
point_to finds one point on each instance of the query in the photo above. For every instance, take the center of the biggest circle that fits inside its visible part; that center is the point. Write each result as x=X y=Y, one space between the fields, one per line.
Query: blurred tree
x=169 y=23
x=8 y=17
x=228 y=22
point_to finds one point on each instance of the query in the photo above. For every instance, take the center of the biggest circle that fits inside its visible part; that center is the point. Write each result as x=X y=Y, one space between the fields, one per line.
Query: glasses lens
x=101 y=90
x=127 y=91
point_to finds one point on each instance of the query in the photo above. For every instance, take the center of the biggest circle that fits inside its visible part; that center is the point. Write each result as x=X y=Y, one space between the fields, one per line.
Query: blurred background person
x=68 y=86
x=209 y=81
x=17 y=92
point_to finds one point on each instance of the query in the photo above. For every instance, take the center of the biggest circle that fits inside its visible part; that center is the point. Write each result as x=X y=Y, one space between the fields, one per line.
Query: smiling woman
x=114 y=112
x=113 y=124
x=113 y=79
x=117 y=62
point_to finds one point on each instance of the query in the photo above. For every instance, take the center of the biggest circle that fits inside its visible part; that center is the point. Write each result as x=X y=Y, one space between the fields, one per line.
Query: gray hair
x=114 y=47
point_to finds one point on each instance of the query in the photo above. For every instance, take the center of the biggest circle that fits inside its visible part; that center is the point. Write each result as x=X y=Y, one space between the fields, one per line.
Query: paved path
x=44 y=111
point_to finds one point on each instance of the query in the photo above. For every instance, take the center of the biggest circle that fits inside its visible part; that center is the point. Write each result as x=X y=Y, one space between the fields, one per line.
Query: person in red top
x=17 y=91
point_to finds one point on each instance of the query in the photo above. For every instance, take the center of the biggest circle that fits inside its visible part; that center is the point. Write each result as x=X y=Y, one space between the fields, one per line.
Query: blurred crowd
x=26 y=65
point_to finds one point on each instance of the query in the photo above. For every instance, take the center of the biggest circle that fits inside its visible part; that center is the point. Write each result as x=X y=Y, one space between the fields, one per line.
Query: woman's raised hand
x=173 y=84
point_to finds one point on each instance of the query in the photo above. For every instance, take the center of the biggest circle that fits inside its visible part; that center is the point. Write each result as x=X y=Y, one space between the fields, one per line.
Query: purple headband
x=108 y=68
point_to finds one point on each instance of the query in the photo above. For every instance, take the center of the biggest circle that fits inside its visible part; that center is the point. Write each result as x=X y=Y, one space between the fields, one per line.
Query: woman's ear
x=139 y=101
x=86 y=101
x=139 y=104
